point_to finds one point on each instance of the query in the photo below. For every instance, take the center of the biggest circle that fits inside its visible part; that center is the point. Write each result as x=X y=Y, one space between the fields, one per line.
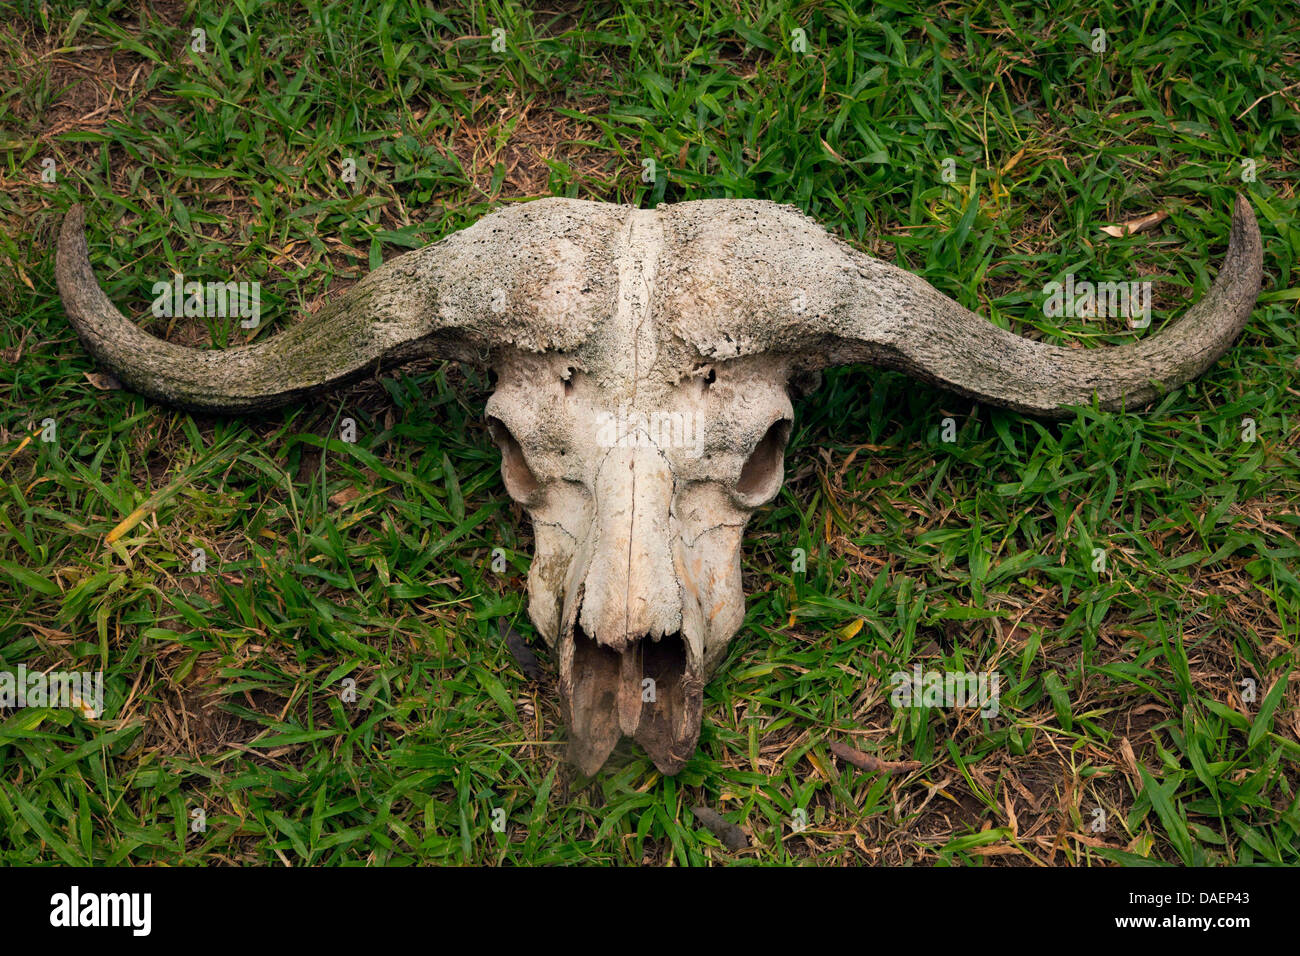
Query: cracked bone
x=645 y=360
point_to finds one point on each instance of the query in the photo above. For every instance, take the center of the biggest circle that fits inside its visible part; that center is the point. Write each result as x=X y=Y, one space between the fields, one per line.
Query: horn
x=459 y=298
x=795 y=289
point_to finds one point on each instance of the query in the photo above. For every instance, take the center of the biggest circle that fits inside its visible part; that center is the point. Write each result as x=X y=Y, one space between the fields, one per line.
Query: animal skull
x=644 y=360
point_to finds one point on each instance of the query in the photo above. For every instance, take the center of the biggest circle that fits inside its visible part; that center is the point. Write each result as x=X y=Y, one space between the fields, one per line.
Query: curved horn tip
x=71 y=246
x=1243 y=216
x=74 y=218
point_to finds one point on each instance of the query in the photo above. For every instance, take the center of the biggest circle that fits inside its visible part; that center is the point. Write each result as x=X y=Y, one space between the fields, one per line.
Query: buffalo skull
x=644 y=360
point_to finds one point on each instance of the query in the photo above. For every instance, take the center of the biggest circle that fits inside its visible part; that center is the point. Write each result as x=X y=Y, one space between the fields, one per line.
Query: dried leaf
x=103 y=381
x=838 y=158
x=1130 y=762
x=851 y=629
x=521 y=652
x=732 y=836
x=1133 y=226
x=340 y=498
x=867 y=762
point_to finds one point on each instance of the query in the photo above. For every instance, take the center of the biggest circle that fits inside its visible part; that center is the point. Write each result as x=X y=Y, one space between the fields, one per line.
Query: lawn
x=300 y=635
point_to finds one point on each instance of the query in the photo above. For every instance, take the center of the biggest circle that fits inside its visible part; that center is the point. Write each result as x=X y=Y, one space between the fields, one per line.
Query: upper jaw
x=650 y=689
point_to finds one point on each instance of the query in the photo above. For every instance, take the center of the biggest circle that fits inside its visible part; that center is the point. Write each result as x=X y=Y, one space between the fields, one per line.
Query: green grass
x=1121 y=689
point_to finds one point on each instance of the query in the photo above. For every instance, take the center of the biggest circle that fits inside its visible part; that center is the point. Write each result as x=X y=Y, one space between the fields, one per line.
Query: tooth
x=629 y=689
x=586 y=682
x=670 y=730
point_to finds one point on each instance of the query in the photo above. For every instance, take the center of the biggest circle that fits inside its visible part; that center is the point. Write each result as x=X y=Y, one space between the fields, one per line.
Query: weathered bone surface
x=644 y=359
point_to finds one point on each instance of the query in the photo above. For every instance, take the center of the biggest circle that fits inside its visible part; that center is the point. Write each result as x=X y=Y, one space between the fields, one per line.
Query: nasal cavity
x=520 y=481
x=763 y=470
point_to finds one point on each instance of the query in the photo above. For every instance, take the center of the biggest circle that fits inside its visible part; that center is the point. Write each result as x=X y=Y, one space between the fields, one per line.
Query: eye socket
x=520 y=481
x=762 y=473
